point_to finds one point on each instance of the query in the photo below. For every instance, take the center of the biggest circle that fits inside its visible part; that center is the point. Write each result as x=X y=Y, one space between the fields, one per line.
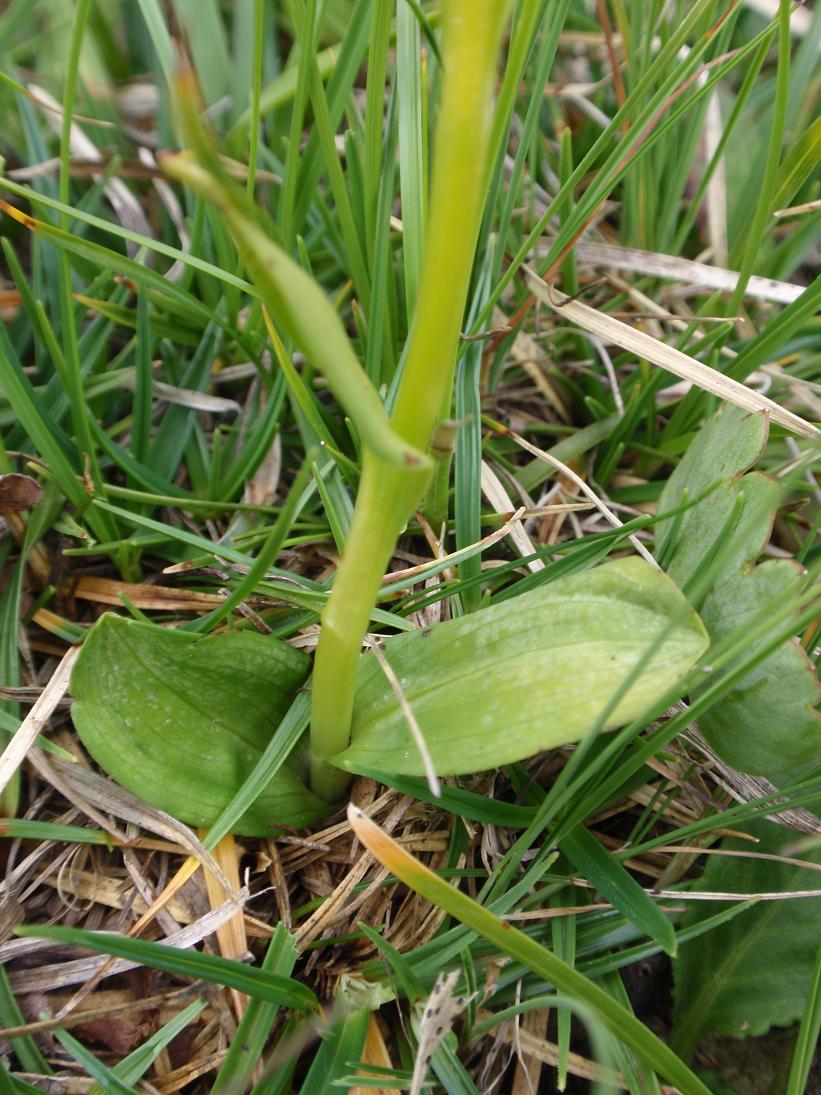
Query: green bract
x=530 y=674
x=181 y=720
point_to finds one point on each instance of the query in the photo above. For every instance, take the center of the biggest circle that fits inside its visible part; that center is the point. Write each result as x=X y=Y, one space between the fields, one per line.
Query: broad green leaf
x=181 y=720
x=754 y=971
x=723 y=450
x=768 y=723
x=529 y=674
x=261 y=984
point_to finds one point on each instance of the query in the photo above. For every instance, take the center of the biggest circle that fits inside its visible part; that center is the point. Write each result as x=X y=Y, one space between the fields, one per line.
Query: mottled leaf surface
x=529 y=674
x=181 y=719
x=723 y=450
x=753 y=971
x=767 y=724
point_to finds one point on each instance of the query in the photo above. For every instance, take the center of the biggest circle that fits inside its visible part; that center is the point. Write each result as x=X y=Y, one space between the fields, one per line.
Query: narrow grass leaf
x=26 y=1050
x=106 y=1079
x=521 y=948
x=257 y=1023
x=342 y=1044
x=139 y=1060
x=14 y=828
x=608 y=876
x=808 y=1033
x=299 y=305
x=258 y=983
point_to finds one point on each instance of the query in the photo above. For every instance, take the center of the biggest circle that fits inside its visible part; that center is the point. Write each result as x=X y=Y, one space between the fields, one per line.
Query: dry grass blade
x=717 y=187
x=687 y=271
x=498 y=497
x=337 y=903
x=231 y=936
x=374 y=1053
x=421 y=569
x=527 y=353
x=97 y=796
x=415 y=729
x=798 y=210
x=745 y=788
x=601 y=506
x=15 y=752
x=152 y=598
x=674 y=361
x=125 y=204
x=547 y=1053
x=442 y=1009
x=184 y=397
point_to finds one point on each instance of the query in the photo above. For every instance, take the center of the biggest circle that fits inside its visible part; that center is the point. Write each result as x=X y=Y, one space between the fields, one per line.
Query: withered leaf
x=18 y=492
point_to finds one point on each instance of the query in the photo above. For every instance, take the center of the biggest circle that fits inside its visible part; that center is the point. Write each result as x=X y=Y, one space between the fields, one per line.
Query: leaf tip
x=18 y=215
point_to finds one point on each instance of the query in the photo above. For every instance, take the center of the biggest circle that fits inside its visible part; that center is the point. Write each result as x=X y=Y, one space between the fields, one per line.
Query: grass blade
x=611 y=880
x=258 y=983
x=521 y=948
x=106 y=1079
x=257 y=1022
x=805 y=1045
x=674 y=361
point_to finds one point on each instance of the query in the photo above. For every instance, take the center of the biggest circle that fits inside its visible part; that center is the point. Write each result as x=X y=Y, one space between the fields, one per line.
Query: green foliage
x=530 y=674
x=158 y=709
x=260 y=1016
x=800 y=163
x=262 y=984
x=172 y=355
x=343 y=1043
x=754 y=971
x=725 y=447
x=181 y=720
x=614 y=883
x=520 y=948
x=767 y=723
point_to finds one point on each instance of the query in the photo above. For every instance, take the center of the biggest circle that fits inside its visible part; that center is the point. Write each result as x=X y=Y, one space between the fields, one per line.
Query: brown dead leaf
x=119 y=1033
x=18 y=492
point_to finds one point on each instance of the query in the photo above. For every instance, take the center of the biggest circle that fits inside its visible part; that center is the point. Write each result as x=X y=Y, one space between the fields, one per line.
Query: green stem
x=386 y=497
x=387 y=494
x=472 y=33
